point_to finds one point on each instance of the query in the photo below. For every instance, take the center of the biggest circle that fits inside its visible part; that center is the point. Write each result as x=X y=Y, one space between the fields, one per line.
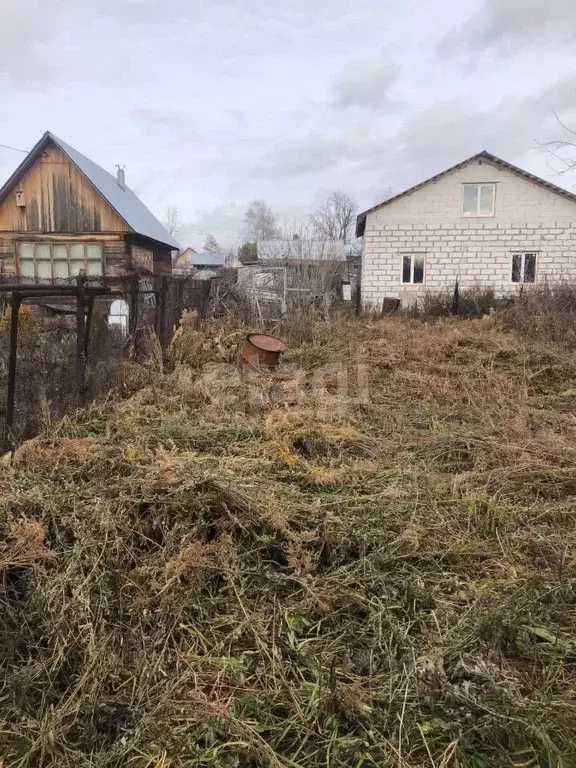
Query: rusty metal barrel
x=260 y=349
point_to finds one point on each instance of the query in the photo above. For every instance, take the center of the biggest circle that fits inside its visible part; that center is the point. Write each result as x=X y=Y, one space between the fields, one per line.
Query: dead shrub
x=545 y=312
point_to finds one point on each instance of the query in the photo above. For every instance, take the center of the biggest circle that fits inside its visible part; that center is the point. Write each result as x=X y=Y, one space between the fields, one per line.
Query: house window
x=59 y=261
x=478 y=199
x=523 y=267
x=413 y=268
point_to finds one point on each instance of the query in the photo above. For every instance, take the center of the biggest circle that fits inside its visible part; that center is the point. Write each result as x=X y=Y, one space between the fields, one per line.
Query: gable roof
x=126 y=204
x=207 y=258
x=484 y=155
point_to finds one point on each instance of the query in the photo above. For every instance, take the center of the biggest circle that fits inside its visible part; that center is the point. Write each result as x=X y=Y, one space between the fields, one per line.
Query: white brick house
x=483 y=221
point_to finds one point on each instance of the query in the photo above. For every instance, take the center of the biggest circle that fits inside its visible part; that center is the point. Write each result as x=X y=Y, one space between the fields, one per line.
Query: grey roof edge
x=484 y=155
x=217 y=259
x=123 y=201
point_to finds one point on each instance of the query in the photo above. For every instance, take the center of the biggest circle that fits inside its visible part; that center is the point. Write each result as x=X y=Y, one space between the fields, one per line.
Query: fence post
x=133 y=328
x=11 y=395
x=163 y=318
x=456 y=299
x=89 y=312
x=80 y=338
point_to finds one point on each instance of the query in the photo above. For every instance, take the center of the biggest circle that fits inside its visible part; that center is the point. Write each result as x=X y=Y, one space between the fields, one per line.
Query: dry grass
x=264 y=572
x=547 y=312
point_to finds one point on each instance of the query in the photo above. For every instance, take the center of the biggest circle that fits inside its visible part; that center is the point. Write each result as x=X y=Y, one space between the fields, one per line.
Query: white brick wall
x=528 y=218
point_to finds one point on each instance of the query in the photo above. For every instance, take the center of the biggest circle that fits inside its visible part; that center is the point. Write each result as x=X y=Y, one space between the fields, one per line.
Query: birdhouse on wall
x=20 y=199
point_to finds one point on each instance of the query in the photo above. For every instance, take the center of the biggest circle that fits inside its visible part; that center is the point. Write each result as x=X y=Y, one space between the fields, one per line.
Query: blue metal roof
x=123 y=200
x=207 y=259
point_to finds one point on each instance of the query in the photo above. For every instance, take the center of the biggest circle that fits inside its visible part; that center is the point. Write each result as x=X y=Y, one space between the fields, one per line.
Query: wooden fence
x=155 y=303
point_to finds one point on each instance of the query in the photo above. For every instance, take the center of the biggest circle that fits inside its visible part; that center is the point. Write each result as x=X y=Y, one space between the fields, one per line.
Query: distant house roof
x=301 y=249
x=484 y=155
x=206 y=259
x=122 y=200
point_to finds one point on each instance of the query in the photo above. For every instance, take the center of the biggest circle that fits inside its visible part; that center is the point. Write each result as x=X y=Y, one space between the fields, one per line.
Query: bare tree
x=172 y=221
x=230 y=254
x=562 y=152
x=211 y=245
x=260 y=222
x=334 y=219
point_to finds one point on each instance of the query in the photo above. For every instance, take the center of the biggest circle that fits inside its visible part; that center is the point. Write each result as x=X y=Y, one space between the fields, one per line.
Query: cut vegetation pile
x=223 y=572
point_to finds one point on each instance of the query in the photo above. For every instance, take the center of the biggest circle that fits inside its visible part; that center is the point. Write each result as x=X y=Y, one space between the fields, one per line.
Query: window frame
x=68 y=245
x=478 y=214
x=412 y=255
x=523 y=255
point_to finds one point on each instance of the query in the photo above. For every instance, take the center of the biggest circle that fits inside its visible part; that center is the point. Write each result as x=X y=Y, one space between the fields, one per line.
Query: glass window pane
x=470 y=199
x=26 y=259
x=94 y=268
x=418 y=269
x=76 y=250
x=529 y=267
x=486 y=198
x=27 y=267
x=60 y=261
x=44 y=269
x=43 y=252
x=61 y=269
x=94 y=251
x=77 y=263
x=26 y=250
x=77 y=266
x=406 y=269
x=516 y=267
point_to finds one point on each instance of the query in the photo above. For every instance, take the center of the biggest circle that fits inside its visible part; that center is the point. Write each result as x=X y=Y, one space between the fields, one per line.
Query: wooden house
x=181 y=260
x=60 y=213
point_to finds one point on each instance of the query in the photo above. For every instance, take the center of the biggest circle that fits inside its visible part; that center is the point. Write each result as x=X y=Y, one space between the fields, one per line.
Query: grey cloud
x=222 y=221
x=365 y=83
x=505 y=22
x=318 y=152
x=311 y=155
x=25 y=29
x=445 y=134
x=428 y=140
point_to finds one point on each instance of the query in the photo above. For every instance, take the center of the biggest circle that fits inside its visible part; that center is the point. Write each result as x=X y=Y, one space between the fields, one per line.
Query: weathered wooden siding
x=58 y=199
x=146 y=255
x=116 y=256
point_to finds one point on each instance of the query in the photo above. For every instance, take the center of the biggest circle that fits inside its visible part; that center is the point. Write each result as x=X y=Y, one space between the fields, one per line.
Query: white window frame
x=412 y=257
x=68 y=245
x=478 y=214
x=523 y=255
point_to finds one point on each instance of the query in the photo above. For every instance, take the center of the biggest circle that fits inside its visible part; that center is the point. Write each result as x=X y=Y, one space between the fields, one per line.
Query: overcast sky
x=211 y=104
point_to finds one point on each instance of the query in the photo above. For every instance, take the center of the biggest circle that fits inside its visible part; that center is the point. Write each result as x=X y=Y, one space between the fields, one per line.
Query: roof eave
x=138 y=235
